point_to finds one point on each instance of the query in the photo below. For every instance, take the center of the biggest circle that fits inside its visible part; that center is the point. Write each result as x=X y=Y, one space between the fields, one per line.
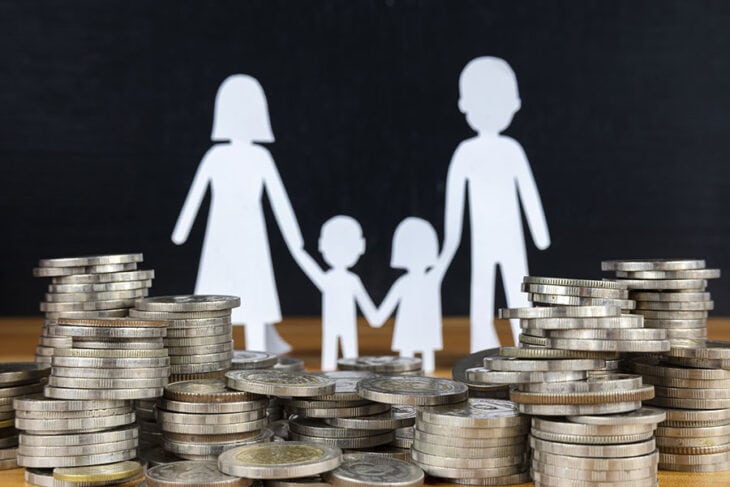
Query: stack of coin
x=202 y=418
x=88 y=287
x=670 y=294
x=193 y=474
x=363 y=469
x=479 y=442
x=383 y=365
x=110 y=359
x=71 y=433
x=17 y=380
x=694 y=390
x=596 y=450
x=199 y=339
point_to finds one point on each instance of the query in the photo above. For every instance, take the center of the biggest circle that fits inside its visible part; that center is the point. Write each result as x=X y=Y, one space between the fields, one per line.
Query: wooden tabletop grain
x=18 y=339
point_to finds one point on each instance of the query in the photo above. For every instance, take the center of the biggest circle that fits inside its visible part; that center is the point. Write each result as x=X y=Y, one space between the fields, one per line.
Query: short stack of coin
x=670 y=294
x=616 y=449
x=365 y=469
x=199 y=337
x=72 y=433
x=17 y=380
x=250 y=359
x=110 y=359
x=479 y=442
x=202 y=418
x=695 y=394
x=192 y=474
x=383 y=365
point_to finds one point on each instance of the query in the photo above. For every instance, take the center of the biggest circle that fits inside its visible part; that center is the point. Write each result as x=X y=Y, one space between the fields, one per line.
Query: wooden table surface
x=18 y=339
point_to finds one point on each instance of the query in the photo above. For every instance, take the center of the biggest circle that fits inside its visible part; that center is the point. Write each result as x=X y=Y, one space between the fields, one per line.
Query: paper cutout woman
x=496 y=171
x=416 y=294
x=236 y=259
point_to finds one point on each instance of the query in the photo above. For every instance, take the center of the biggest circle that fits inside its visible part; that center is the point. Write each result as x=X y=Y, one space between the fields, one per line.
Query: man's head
x=488 y=94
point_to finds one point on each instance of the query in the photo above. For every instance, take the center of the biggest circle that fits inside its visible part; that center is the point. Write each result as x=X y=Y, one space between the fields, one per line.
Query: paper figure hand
x=178 y=237
x=542 y=242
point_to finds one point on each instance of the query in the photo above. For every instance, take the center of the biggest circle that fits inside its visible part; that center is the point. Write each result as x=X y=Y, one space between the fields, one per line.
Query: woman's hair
x=241 y=111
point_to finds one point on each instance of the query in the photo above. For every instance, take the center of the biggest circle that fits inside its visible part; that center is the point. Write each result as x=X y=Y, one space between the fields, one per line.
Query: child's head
x=241 y=111
x=341 y=242
x=488 y=94
x=415 y=245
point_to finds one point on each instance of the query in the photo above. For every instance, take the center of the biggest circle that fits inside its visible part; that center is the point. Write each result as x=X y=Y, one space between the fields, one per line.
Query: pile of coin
x=382 y=364
x=695 y=392
x=202 y=418
x=109 y=359
x=606 y=450
x=72 y=433
x=88 y=287
x=17 y=380
x=479 y=442
x=670 y=294
x=199 y=339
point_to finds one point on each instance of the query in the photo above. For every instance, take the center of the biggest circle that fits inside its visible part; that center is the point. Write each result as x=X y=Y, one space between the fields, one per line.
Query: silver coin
x=597 y=464
x=20 y=390
x=40 y=403
x=582 y=291
x=100 y=287
x=87 y=305
x=340 y=412
x=414 y=391
x=39 y=477
x=459 y=441
x=119 y=434
x=559 y=281
x=99 y=313
x=610 y=334
x=678 y=274
x=17 y=373
x=368 y=470
x=396 y=417
x=45 y=426
x=290 y=364
x=247 y=359
x=474 y=413
x=280 y=383
x=164 y=416
x=599 y=451
x=110 y=332
x=470 y=453
x=670 y=296
x=76 y=461
x=213 y=429
x=200 y=358
x=91 y=373
x=315 y=427
x=65 y=451
x=196 y=369
x=695 y=285
x=279 y=460
x=380 y=363
x=359 y=442
x=556 y=299
x=481 y=374
x=560 y=312
x=85 y=413
x=645 y=346
x=623 y=321
x=107 y=383
x=632 y=265
x=182 y=315
x=136 y=275
x=109 y=362
x=90 y=260
x=95 y=296
x=509 y=364
x=188 y=303
x=90 y=269
x=118 y=344
x=578 y=409
x=101 y=394
x=191 y=473
x=545 y=480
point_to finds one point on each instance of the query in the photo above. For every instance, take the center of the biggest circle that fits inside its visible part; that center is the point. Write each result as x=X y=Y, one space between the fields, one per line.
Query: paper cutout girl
x=416 y=294
x=236 y=259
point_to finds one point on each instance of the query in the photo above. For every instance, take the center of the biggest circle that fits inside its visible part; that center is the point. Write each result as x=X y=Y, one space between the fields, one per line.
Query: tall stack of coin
x=88 y=287
x=72 y=433
x=480 y=442
x=670 y=294
x=17 y=380
x=202 y=418
x=692 y=384
x=382 y=364
x=606 y=450
x=199 y=339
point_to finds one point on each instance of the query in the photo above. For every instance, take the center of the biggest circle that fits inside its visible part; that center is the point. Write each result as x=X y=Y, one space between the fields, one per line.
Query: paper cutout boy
x=416 y=294
x=495 y=169
x=341 y=244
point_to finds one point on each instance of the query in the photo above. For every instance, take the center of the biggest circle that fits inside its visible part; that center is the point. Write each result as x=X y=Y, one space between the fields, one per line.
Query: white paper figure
x=416 y=294
x=495 y=170
x=341 y=244
x=236 y=259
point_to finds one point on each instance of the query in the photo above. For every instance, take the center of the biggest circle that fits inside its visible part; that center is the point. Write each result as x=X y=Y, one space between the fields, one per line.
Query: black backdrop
x=106 y=109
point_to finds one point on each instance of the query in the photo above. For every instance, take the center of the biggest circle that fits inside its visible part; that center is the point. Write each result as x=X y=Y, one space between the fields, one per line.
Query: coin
x=100 y=287
x=557 y=299
x=560 y=312
x=367 y=470
x=188 y=303
x=559 y=281
x=218 y=418
x=396 y=417
x=110 y=353
x=71 y=440
x=591 y=439
x=545 y=480
x=107 y=332
x=481 y=374
x=597 y=464
x=64 y=451
x=641 y=393
x=460 y=441
x=185 y=449
x=290 y=364
x=101 y=394
x=247 y=359
x=414 y=391
x=140 y=373
x=90 y=260
x=678 y=274
x=109 y=362
x=524 y=365
x=633 y=265
x=191 y=473
x=603 y=383
x=623 y=321
x=353 y=442
x=279 y=460
x=598 y=451
x=315 y=427
x=670 y=296
x=380 y=363
x=18 y=373
x=578 y=409
x=279 y=383
x=179 y=316
x=112 y=322
x=645 y=346
x=39 y=476
x=610 y=334
x=695 y=285
x=341 y=412
x=675 y=306
x=582 y=291
x=469 y=453
x=213 y=429
x=212 y=407
x=76 y=461
x=473 y=413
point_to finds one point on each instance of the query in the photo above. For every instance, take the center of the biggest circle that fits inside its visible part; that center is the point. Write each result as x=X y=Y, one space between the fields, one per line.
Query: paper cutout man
x=236 y=259
x=416 y=294
x=496 y=171
x=341 y=244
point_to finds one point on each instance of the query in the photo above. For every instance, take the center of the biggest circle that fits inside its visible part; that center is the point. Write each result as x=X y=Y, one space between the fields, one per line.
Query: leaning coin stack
x=202 y=418
x=693 y=385
x=72 y=433
x=199 y=337
x=670 y=294
x=17 y=380
x=88 y=287
x=479 y=442
x=607 y=450
x=382 y=365
x=110 y=359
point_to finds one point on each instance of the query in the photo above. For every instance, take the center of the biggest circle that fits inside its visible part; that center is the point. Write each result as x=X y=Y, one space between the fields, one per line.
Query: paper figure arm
x=363 y=300
x=527 y=190
x=387 y=307
x=310 y=267
x=280 y=204
x=192 y=202
x=456 y=181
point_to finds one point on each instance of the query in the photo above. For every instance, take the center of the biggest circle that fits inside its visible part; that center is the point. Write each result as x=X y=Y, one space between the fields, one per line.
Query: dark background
x=106 y=110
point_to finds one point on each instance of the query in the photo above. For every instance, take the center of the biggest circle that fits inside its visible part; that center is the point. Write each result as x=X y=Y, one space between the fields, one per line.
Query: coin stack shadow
x=200 y=419
x=567 y=366
x=17 y=381
x=199 y=336
x=88 y=287
x=670 y=294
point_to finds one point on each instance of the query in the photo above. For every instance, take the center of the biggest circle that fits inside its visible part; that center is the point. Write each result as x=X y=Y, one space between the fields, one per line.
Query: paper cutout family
x=236 y=258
